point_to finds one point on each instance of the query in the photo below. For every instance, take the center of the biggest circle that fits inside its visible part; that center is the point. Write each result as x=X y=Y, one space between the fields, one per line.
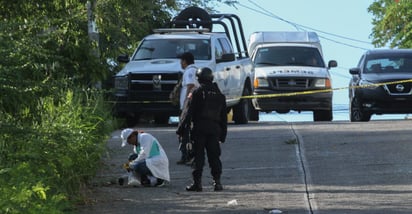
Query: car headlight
x=260 y=83
x=323 y=83
x=121 y=82
x=367 y=84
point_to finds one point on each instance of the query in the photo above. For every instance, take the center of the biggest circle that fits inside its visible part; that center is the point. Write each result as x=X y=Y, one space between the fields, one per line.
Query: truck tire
x=161 y=119
x=241 y=112
x=322 y=115
x=356 y=112
x=131 y=121
x=196 y=14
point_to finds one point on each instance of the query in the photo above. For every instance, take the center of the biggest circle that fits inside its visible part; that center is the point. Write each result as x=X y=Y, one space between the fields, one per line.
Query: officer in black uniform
x=207 y=114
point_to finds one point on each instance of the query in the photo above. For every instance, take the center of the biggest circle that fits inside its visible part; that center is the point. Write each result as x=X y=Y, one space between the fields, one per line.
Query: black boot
x=195 y=187
x=181 y=161
x=217 y=185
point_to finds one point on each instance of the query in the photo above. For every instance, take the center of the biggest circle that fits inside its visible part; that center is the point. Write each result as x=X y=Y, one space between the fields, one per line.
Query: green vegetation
x=45 y=162
x=392 y=23
x=54 y=121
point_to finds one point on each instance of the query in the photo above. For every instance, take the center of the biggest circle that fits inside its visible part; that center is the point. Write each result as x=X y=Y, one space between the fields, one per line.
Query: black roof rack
x=197 y=18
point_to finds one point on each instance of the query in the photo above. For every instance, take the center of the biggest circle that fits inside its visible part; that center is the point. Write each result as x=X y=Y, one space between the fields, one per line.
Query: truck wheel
x=241 y=112
x=356 y=112
x=161 y=119
x=323 y=115
x=132 y=120
x=195 y=14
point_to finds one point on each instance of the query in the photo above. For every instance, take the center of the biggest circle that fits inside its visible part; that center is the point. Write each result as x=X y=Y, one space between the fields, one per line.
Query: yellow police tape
x=323 y=90
x=289 y=94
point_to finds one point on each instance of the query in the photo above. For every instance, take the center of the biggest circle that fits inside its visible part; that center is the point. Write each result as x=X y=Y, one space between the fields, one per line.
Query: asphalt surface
x=273 y=167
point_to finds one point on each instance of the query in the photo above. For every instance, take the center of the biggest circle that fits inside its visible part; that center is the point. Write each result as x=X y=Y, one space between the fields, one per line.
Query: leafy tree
x=47 y=65
x=45 y=46
x=53 y=124
x=122 y=24
x=392 y=23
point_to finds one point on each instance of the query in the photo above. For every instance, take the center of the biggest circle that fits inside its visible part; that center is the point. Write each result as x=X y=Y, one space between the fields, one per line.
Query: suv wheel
x=356 y=112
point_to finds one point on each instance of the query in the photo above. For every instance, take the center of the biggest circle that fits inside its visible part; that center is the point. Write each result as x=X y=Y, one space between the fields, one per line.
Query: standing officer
x=189 y=83
x=207 y=112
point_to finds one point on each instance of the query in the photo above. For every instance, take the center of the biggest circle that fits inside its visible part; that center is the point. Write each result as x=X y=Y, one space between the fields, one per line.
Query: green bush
x=45 y=162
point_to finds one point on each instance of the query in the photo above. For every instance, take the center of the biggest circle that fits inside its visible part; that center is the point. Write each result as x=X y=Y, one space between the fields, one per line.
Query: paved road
x=302 y=167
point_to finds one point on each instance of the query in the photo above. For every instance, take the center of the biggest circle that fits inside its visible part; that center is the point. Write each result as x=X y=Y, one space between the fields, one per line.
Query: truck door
x=225 y=70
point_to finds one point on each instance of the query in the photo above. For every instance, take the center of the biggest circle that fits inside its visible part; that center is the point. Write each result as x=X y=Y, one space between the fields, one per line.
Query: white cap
x=124 y=135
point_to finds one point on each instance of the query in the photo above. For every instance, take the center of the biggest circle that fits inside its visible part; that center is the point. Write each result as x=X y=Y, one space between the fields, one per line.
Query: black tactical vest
x=212 y=105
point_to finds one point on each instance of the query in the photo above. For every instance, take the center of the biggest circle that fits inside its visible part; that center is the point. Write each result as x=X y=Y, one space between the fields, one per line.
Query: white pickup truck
x=289 y=63
x=144 y=84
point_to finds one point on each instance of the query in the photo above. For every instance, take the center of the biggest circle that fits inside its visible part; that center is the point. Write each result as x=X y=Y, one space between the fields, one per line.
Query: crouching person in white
x=149 y=161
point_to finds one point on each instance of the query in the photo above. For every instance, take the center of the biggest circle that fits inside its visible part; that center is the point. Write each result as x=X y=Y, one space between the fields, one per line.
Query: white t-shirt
x=189 y=77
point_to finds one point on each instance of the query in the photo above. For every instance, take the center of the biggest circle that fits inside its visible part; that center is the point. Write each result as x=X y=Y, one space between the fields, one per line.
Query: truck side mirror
x=123 y=58
x=332 y=64
x=226 y=58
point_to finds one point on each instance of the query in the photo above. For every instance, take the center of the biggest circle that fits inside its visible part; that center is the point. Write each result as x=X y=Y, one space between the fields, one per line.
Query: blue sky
x=349 y=19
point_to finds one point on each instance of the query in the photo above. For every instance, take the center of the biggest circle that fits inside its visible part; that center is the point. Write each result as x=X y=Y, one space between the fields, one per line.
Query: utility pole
x=93 y=35
x=92 y=28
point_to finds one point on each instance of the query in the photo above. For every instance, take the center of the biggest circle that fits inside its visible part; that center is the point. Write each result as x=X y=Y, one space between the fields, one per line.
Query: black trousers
x=206 y=141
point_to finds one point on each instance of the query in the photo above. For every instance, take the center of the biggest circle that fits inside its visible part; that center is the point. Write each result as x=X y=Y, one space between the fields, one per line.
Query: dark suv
x=381 y=84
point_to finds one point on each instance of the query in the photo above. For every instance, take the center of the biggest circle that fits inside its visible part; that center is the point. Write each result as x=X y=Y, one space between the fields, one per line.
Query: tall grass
x=45 y=161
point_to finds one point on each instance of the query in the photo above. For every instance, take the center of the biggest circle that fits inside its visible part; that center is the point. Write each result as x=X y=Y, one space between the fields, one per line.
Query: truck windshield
x=288 y=55
x=172 y=48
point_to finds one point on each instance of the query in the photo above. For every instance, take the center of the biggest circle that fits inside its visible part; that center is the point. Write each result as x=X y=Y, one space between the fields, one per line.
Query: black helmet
x=204 y=74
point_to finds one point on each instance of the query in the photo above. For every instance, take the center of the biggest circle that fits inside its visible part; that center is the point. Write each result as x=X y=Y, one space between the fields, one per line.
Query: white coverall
x=153 y=153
